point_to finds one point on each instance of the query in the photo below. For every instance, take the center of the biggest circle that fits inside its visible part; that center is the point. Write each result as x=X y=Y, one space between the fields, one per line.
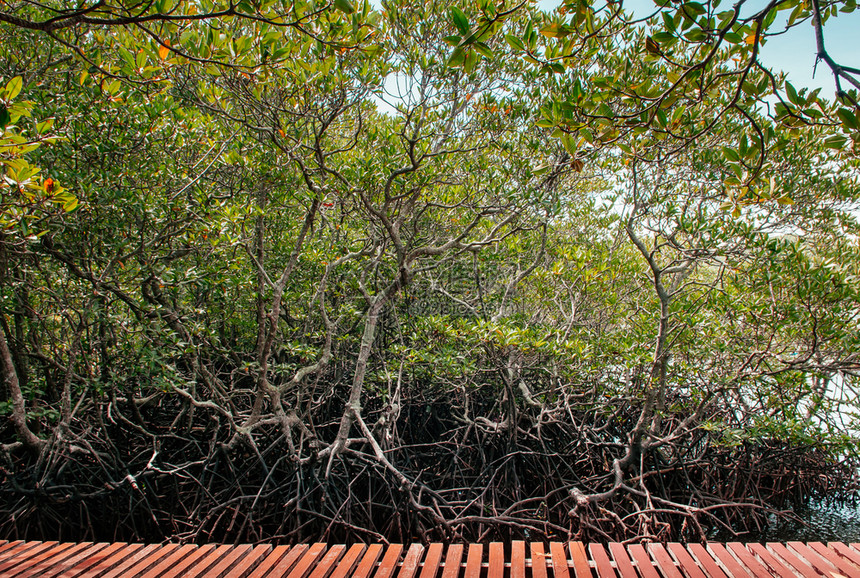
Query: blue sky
x=793 y=52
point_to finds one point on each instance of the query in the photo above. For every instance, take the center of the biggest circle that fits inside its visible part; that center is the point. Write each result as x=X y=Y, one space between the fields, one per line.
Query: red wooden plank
x=23 y=551
x=664 y=561
x=538 y=558
x=708 y=561
x=560 y=567
x=411 y=561
x=368 y=562
x=326 y=565
x=230 y=558
x=431 y=561
x=601 y=561
x=819 y=562
x=844 y=564
x=389 y=561
x=345 y=564
x=52 y=560
x=199 y=562
x=496 y=568
x=282 y=557
x=750 y=562
x=170 y=561
x=622 y=560
x=729 y=562
x=581 y=567
x=344 y=567
x=74 y=560
x=112 y=561
x=771 y=561
x=691 y=567
x=643 y=561
x=846 y=552
x=35 y=558
x=835 y=558
x=518 y=559
x=801 y=566
x=452 y=561
x=8 y=547
x=91 y=560
x=20 y=546
x=47 y=560
x=140 y=561
x=302 y=567
x=249 y=562
x=473 y=561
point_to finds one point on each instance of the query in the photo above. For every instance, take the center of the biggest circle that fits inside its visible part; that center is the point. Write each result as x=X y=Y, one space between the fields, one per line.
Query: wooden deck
x=518 y=560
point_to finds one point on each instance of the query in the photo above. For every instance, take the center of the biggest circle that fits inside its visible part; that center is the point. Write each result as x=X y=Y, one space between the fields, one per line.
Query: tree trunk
x=19 y=411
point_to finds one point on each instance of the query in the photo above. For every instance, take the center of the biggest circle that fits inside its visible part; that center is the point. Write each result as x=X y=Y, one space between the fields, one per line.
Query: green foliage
x=28 y=197
x=275 y=213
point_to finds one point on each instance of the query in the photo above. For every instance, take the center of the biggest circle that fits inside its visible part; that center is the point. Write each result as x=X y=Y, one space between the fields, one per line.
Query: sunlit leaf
x=13 y=87
x=344 y=6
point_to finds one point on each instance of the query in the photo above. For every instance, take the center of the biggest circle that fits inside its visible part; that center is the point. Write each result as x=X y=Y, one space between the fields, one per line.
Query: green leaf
x=13 y=87
x=483 y=49
x=652 y=46
x=5 y=118
x=668 y=22
x=550 y=31
x=835 y=142
x=695 y=35
x=731 y=154
x=541 y=170
x=769 y=19
x=71 y=204
x=461 y=21
x=515 y=43
x=792 y=94
x=693 y=8
x=457 y=58
x=471 y=61
x=127 y=56
x=848 y=119
x=344 y=6
x=45 y=126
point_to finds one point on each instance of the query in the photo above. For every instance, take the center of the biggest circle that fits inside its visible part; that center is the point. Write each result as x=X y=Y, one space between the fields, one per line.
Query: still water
x=824 y=521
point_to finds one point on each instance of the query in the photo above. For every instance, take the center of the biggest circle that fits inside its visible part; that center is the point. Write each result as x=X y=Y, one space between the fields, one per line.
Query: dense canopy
x=406 y=271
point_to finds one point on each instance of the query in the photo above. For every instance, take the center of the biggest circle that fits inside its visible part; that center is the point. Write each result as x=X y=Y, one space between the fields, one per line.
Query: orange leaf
x=49 y=185
x=750 y=39
x=164 y=51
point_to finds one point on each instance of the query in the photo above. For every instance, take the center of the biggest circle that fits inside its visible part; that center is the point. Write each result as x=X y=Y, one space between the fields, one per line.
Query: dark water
x=823 y=522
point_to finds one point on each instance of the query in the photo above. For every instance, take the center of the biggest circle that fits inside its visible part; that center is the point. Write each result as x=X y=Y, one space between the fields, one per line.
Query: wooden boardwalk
x=518 y=560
